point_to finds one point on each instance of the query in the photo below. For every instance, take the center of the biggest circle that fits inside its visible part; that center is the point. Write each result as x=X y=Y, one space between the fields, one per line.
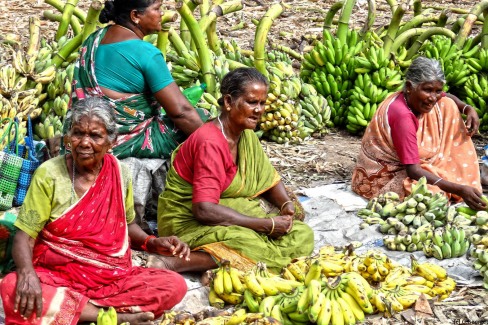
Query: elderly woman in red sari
x=80 y=211
x=219 y=180
x=419 y=132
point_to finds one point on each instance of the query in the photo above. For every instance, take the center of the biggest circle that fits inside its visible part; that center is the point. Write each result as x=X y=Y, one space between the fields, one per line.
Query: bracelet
x=437 y=181
x=272 y=227
x=146 y=241
x=465 y=108
x=283 y=205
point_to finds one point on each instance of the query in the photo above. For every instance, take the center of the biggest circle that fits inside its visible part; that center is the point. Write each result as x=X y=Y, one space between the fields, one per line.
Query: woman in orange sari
x=80 y=211
x=420 y=132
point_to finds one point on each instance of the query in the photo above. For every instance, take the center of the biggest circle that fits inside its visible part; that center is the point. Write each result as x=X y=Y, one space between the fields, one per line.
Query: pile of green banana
x=108 y=317
x=447 y=242
x=329 y=67
x=476 y=90
x=378 y=76
x=51 y=127
x=315 y=111
x=404 y=241
x=233 y=51
x=481 y=262
x=184 y=68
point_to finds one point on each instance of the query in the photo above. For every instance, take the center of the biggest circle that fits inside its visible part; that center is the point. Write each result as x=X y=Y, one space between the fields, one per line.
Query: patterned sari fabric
x=84 y=256
x=143 y=132
x=242 y=246
x=445 y=150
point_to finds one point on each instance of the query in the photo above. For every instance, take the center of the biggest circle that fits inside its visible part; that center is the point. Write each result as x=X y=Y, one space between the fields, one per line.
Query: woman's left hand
x=288 y=209
x=472 y=121
x=171 y=246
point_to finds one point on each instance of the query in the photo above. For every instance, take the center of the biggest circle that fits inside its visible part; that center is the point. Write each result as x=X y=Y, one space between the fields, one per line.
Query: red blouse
x=205 y=161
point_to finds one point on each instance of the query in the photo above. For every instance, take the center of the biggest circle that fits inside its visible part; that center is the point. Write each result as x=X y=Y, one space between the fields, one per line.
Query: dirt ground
x=316 y=162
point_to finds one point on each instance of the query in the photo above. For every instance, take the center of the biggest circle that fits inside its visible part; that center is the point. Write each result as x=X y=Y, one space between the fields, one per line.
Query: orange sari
x=445 y=150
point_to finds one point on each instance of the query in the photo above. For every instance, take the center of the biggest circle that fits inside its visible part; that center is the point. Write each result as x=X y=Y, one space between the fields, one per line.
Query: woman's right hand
x=28 y=296
x=472 y=197
x=282 y=226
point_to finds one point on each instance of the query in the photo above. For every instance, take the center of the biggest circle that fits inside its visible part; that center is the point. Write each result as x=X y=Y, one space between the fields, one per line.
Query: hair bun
x=107 y=14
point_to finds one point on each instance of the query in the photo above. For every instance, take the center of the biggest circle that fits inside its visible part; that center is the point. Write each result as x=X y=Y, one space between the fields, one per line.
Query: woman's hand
x=28 y=296
x=472 y=121
x=282 y=226
x=170 y=246
x=288 y=209
x=472 y=197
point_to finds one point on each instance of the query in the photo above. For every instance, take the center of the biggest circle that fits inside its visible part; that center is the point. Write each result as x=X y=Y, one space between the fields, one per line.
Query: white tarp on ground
x=330 y=211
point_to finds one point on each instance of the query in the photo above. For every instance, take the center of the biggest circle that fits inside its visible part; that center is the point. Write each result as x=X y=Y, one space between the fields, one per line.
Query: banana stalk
x=456 y=26
x=393 y=28
x=75 y=23
x=169 y=17
x=212 y=37
x=287 y=50
x=443 y=17
x=204 y=8
x=417 y=21
x=91 y=21
x=468 y=23
x=34 y=35
x=371 y=17
x=66 y=18
x=176 y=41
x=484 y=31
x=72 y=45
x=329 y=17
x=78 y=13
x=202 y=48
x=343 y=24
x=425 y=35
x=417 y=8
x=403 y=38
x=393 y=5
x=163 y=39
x=262 y=34
x=184 y=32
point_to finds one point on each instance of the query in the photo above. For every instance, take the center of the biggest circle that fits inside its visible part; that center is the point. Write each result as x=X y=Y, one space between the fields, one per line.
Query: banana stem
x=176 y=41
x=343 y=24
x=163 y=39
x=204 y=8
x=202 y=48
x=288 y=51
x=66 y=18
x=234 y=64
x=393 y=5
x=393 y=28
x=403 y=38
x=468 y=23
x=371 y=17
x=417 y=7
x=92 y=18
x=213 y=38
x=71 y=46
x=261 y=36
x=58 y=5
x=75 y=23
x=329 y=17
x=417 y=21
x=34 y=35
x=184 y=32
x=484 y=31
x=457 y=25
x=443 y=17
x=425 y=35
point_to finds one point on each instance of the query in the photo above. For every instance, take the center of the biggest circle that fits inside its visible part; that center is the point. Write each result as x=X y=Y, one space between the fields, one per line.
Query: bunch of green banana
x=448 y=242
x=403 y=241
x=50 y=127
x=481 y=262
x=476 y=90
x=210 y=103
x=329 y=67
x=373 y=266
x=233 y=51
x=184 y=69
x=108 y=317
x=277 y=56
x=481 y=60
x=315 y=114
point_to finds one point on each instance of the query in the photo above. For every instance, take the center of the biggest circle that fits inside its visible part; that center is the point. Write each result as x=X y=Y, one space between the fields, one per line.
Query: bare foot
x=159 y=262
x=137 y=318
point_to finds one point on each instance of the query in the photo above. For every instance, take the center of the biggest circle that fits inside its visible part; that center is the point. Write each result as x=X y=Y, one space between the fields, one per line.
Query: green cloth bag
x=10 y=166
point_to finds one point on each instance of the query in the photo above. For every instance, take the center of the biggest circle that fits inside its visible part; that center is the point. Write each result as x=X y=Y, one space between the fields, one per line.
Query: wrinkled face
x=247 y=109
x=150 y=19
x=89 y=142
x=422 y=98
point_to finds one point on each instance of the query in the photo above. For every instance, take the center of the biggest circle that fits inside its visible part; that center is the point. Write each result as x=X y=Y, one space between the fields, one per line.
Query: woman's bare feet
x=199 y=262
x=137 y=318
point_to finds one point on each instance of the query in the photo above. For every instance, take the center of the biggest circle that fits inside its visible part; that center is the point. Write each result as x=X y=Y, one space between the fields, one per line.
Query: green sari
x=143 y=131
x=242 y=246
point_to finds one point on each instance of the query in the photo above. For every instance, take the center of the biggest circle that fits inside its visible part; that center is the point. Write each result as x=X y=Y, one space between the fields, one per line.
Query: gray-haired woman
x=420 y=132
x=79 y=209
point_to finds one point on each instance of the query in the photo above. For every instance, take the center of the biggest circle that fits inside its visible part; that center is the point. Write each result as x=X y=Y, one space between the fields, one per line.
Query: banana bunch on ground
x=280 y=120
x=108 y=317
x=403 y=241
x=50 y=127
x=315 y=112
x=480 y=253
x=447 y=242
x=216 y=317
x=329 y=67
x=443 y=285
x=373 y=266
x=476 y=90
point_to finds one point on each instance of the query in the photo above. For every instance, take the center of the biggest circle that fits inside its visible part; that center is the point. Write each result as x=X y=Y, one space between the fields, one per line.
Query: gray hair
x=93 y=107
x=423 y=70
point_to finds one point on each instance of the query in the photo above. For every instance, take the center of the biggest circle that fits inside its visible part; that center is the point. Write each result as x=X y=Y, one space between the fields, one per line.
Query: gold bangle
x=283 y=205
x=272 y=227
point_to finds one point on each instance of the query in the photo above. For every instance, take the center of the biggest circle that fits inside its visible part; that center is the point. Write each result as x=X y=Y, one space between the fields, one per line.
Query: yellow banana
x=314 y=272
x=314 y=310
x=325 y=313
x=236 y=281
x=218 y=281
x=232 y=298
x=347 y=313
x=237 y=317
x=268 y=287
x=355 y=308
x=215 y=300
x=228 y=287
x=252 y=284
x=337 y=317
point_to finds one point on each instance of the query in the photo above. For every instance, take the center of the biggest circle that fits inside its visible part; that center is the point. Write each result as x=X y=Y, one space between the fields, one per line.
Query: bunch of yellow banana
x=52 y=126
x=227 y=285
x=11 y=81
x=447 y=242
x=374 y=266
x=430 y=271
x=21 y=133
x=108 y=317
x=480 y=253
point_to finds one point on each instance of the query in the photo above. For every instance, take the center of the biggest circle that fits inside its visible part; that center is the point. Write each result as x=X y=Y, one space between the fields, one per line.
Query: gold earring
x=227 y=108
x=137 y=22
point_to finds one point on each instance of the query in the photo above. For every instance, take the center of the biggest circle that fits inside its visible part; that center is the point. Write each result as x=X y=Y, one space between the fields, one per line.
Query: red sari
x=84 y=256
